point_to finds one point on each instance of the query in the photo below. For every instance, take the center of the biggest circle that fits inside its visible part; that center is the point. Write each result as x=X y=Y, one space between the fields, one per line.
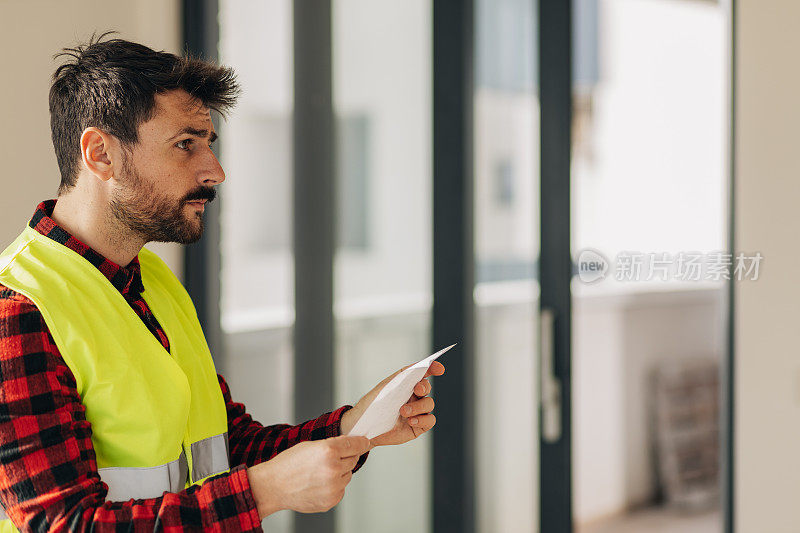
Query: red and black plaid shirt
x=48 y=472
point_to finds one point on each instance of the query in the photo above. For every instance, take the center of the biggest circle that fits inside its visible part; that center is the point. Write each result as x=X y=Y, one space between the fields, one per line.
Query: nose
x=212 y=173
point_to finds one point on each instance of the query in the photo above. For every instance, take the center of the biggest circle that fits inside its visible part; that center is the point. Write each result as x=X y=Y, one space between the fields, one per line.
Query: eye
x=184 y=144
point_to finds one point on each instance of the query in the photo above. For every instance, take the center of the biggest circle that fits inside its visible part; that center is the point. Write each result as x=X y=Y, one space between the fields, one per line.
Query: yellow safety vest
x=158 y=418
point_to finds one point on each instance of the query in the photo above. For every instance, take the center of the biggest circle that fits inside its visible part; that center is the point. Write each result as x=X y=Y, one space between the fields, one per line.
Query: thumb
x=351 y=445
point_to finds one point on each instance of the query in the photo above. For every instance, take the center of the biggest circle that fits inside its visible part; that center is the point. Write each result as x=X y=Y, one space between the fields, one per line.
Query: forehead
x=177 y=109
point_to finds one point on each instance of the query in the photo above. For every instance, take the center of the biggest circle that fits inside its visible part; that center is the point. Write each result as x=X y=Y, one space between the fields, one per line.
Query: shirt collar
x=127 y=279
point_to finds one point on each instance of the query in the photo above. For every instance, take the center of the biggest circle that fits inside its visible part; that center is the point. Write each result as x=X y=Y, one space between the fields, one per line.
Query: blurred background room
x=402 y=175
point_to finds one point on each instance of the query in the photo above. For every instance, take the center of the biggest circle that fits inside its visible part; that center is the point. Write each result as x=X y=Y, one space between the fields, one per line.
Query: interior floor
x=658 y=520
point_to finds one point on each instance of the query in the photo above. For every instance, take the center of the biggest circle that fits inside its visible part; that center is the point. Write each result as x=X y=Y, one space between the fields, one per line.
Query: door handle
x=550 y=389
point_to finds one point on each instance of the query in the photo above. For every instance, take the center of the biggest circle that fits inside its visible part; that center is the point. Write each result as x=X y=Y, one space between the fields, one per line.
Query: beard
x=136 y=204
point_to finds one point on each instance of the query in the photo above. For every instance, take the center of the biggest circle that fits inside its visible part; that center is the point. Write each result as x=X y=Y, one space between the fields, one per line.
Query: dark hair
x=112 y=85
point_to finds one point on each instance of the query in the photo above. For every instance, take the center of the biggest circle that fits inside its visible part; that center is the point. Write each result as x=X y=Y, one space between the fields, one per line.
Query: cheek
x=163 y=163
x=177 y=174
x=172 y=175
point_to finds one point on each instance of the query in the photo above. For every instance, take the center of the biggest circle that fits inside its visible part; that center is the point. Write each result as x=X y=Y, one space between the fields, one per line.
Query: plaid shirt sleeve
x=251 y=443
x=48 y=470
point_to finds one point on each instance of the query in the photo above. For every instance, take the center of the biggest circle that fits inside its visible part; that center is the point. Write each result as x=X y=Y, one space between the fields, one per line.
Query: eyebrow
x=196 y=132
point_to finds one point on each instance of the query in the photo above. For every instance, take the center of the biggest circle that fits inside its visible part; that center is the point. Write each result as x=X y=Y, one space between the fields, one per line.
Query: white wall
x=618 y=339
x=767 y=420
x=32 y=31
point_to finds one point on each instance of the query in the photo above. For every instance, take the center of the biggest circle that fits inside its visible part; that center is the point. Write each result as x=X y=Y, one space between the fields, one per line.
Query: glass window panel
x=382 y=105
x=257 y=302
x=506 y=152
x=649 y=175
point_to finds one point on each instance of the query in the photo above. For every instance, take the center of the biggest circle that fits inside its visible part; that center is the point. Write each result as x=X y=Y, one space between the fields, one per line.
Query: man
x=106 y=424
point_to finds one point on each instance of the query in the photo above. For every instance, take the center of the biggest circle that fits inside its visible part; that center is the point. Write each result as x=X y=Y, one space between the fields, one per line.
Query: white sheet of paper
x=381 y=415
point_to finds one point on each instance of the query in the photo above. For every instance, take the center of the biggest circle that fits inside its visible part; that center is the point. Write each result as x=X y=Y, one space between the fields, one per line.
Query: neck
x=91 y=222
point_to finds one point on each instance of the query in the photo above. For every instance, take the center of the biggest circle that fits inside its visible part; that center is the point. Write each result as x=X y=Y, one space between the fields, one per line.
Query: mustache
x=204 y=193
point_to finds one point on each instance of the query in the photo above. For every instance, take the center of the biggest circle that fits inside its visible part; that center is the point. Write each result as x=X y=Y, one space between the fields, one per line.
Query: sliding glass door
x=506 y=295
x=649 y=201
x=405 y=175
x=382 y=264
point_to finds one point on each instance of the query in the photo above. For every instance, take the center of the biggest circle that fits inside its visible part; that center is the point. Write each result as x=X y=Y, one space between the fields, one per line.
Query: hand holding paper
x=377 y=412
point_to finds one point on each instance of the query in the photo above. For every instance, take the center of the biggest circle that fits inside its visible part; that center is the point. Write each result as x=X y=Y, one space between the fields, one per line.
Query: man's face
x=169 y=174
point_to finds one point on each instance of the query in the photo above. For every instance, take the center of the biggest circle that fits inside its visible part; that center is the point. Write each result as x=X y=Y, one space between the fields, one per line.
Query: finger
x=436 y=369
x=424 y=405
x=421 y=424
x=422 y=388
x=350 y=446
x=349 y=463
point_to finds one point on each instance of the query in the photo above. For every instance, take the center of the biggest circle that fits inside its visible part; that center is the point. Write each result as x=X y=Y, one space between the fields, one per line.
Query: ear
x=96 y=152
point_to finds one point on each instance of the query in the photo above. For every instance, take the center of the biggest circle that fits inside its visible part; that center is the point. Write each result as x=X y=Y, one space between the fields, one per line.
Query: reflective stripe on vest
x=125 y=483
x=210 y=457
